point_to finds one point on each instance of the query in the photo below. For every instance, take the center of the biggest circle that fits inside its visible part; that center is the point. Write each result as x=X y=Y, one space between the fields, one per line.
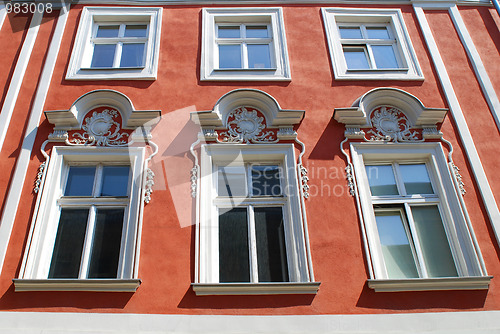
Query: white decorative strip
x=18 y=76
x=114 y=323
x=14 y=193
x=463 y=129
x=477 y=64
x=3 y=14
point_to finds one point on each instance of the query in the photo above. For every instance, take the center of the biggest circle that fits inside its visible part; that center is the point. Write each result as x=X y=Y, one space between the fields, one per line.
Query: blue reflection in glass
x=80 y=181
x=115 y=180
x=229 y=56
x=259 y=56
x=132 y=55
x=104 y=55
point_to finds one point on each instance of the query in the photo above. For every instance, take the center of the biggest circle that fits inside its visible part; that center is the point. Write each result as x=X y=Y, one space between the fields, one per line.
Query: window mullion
x=254 y=269
x=87 y=244
x=416 y=243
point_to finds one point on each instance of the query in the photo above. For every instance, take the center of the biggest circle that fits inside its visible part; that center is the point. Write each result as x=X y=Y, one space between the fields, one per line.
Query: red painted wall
x=167 y=249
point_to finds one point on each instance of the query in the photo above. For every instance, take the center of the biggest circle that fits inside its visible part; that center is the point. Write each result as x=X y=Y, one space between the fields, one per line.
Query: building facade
x=249 y=166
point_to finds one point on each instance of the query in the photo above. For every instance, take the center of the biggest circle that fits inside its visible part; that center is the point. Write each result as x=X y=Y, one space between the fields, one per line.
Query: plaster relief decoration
x=101 y=129
x=247 y=124
x=391 y=124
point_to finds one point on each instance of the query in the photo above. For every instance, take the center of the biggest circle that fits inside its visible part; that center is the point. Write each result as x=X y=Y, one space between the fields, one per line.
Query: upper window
x=244 y=44
x=116 y=43
x=370 y=44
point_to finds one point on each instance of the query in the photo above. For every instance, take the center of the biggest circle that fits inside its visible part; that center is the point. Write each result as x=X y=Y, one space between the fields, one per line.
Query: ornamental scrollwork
x=304 y=179
x=101 y=130
x=149 y=185
x=391 y=124
x=244 y=125
x=39 y=176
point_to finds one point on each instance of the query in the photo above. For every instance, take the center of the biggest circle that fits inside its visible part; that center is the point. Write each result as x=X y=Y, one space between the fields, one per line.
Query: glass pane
x=396 y=248
x=433 y=242
x=257 y=32
x=132 y=55
x=356 y=59
x=416 y=179
x=271 y=250
x=259 y=56
x=107 y=31
x=104 y=55
x=234 y=261
x=266 y=181
x=232 y=181
x=136 y=30
x=106 y=244
x=228 y=32
x=384 y=56
x=115 y=180
x=350 y=32
x=80 y=181
x=381 y=180
x=68 y=246
x=230 y=56
x=377 y=33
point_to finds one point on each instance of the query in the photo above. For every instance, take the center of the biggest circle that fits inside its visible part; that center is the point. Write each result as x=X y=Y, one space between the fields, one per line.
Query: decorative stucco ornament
x=391 y=124
x=244 y=125
x=101 y=130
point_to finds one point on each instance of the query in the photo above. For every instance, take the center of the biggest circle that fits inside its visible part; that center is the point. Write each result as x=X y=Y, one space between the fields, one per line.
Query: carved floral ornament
x=245 y=125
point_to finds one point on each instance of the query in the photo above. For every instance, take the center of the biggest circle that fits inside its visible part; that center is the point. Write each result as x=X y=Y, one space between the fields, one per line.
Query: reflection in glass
x=381 y=180
x=232 y=181
x=104 y=55
x=136 y=30
x=271 y=250
x=377 y=33
x=350 y=32
x=257 y=32
x=115 y=180
x=384 y=56
x=80 y=181
x=107 y=31
x=433 y=242
x=230 y=56
x=396 y=247
x=356 y=58
x=234 y=261
x=228 y=32
x=416 y=179
x=132 y=55
x=266 y=180
x=259 y=56
x=68 y=246
x=106 y=243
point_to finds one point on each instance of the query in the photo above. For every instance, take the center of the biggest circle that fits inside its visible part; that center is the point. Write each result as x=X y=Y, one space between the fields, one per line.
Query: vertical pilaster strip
x=477 y=64
x=462 y=127
x=18 y=76
x=16 y=187
x=3 y=14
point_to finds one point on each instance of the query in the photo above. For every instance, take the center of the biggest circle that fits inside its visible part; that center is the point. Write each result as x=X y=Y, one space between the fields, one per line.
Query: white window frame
x=81 y=57
x=272 y=17
x=466 y=254
x=36 y=263
x=409 y=68
x=214 y=155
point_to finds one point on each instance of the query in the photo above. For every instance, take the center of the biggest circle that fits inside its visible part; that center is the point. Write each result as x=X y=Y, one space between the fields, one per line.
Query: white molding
x=477 y=64
x=15 y=189
x=279 y=52
x=255 y=288
x=150 y=15
x=409 y=66
x=427 y=284
x=462 y=127
x=468 y=322
x=109 y=285
x=18 y=76
x=3 y=14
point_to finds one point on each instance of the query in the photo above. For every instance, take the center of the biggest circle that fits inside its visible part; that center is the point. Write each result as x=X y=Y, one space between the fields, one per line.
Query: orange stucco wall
x=167 y=248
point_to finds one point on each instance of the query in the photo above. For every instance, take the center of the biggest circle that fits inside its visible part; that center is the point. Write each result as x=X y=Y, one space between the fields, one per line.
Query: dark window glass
x=115 y=180
x=106 y=244
x=104 y=54
x=80 y=181
x=69 y=243
x=234 y=263
x=271 y=250
x=266 y=180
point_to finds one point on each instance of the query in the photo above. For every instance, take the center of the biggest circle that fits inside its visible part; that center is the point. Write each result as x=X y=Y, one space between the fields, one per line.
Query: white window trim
x=209 y=57
x=467 y=257
x=410 y=68
x=81 y=49
x=36 y=263
x=208 y=225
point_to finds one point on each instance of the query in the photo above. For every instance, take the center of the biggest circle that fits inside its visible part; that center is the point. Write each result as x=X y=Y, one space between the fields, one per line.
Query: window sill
x=124 y=73
x=396 y=74
x=204 y=289
x=426 y=284
x=109 y=285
